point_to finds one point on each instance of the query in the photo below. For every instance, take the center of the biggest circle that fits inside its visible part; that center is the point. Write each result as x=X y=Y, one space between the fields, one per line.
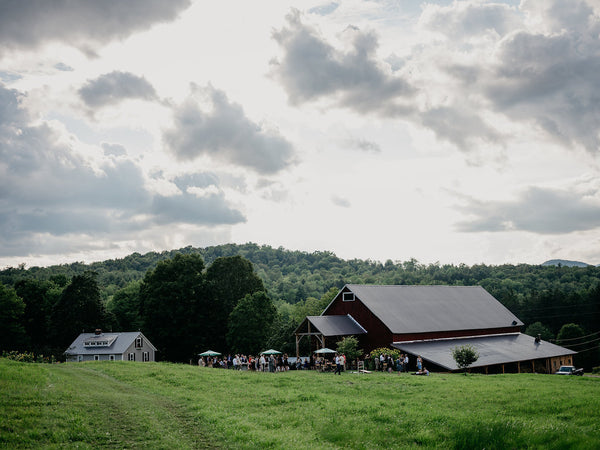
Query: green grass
x=161 y=405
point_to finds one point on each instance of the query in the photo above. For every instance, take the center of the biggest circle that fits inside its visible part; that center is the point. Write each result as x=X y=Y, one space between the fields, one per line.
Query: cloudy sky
x=451 y=132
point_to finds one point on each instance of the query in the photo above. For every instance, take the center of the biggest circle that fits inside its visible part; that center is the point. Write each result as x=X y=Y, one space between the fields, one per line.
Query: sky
x=452 y=132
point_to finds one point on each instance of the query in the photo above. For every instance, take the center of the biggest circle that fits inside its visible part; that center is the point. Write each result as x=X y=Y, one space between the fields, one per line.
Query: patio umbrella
x=209 y=353
x=325 y=350
x=271 y=352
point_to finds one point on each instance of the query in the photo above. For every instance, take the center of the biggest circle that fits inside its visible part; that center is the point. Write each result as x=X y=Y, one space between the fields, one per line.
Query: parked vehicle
x=569 y=370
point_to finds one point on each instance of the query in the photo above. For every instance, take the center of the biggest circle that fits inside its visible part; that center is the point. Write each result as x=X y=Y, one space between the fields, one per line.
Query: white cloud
x=311 y=68
x=114 y=87
x=47 y=188
x=354 y=127
x=29 y=24
x=224 y=132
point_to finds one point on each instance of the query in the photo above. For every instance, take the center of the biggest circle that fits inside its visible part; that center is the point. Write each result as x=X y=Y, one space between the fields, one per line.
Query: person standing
x=338 y=364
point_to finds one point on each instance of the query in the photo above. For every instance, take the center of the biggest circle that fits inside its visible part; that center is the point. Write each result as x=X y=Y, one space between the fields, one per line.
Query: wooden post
x=518 y=366
x=502 y=368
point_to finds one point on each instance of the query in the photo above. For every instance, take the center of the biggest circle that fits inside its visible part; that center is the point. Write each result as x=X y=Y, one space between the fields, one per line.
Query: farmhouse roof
x=420 y=309
x=492 y=349
x=333 y=325
x=107 y=343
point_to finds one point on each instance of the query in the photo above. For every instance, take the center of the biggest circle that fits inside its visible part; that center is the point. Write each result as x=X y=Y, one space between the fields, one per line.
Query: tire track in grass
x=103 y=411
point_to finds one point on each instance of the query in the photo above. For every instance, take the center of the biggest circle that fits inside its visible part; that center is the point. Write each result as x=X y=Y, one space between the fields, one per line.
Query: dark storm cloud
x=46 y=188
x=460 y=126
x=188 y=208
x=537 y=210
x=547 y=80
x=28 y=24
x=311 y=69
x=200 y=180
x=115 y=87
x=552 y=81
x=225 y=133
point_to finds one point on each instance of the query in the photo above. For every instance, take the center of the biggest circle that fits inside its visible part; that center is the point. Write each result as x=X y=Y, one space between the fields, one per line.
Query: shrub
x=28 y=357
x=465 y=355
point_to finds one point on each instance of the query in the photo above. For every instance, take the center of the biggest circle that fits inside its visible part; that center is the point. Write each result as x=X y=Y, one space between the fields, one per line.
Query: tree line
x=181 y=305
x=298 y=283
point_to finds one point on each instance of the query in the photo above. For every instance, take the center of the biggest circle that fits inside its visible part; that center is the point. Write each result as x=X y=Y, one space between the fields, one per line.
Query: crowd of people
x=262 y=363
x=386 y=362
x=273 y=363
x=282 y=363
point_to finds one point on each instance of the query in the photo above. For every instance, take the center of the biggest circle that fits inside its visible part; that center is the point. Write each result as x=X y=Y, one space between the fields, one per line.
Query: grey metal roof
x=119 y=342
x=419 y=309
x=494 y=349
x=336 y=325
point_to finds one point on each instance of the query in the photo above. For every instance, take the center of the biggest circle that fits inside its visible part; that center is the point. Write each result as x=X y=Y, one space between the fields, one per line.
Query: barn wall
x=378 y=335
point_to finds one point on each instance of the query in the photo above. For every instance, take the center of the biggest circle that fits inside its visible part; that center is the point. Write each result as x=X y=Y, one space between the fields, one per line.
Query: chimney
x=98 y=331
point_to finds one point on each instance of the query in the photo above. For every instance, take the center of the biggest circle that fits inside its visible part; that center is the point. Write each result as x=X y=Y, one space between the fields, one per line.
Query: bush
x=28 y=357
x=384 y=351
x=464 y=356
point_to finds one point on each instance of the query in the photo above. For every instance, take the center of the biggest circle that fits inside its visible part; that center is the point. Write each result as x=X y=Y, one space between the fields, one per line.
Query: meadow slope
x=162 y=405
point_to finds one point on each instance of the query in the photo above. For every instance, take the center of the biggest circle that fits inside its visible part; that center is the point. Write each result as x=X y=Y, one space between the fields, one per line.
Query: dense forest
x=544 y=297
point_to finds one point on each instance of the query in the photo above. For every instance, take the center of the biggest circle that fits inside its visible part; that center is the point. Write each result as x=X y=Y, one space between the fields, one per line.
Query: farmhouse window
x=111 y=357
x=146 y=356
x=96 y=357
x=139 y=342
x=132 y=357
x=348 y=296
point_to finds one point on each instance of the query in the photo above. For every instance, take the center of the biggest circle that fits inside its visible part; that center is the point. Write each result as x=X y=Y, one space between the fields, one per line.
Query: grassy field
x=161 y=405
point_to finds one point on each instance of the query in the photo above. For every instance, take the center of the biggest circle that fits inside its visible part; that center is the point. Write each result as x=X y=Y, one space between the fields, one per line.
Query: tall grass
x=161 y=405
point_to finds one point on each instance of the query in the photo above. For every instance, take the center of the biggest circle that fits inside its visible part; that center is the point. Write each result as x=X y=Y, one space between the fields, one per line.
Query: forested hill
x=533 y=292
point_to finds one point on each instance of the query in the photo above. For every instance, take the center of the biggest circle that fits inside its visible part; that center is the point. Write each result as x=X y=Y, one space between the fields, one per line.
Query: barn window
x=111 y=357
x=96 y=357
x=138 y=342
x=146 y=356
x=131 y=357
x=348 y=297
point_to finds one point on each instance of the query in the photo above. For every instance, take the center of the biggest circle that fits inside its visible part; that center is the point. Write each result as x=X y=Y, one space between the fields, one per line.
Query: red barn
x=430 y=321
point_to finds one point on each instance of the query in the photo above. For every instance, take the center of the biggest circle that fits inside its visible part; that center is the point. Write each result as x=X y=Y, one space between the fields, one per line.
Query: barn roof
x=421 y=309
x=105 y=343
x=333 y=325
x=493 y=349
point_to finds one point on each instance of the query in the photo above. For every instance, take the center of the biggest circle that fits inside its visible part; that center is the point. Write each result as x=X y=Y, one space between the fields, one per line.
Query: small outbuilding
x=112 y=346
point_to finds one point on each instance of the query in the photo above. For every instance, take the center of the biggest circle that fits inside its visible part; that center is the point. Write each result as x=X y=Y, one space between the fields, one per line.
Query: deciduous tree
x=250 y=323
x=465 y=355
x=12 y=308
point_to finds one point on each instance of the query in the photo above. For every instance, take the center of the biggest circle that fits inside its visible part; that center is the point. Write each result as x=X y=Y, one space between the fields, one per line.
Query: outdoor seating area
x=270 y=361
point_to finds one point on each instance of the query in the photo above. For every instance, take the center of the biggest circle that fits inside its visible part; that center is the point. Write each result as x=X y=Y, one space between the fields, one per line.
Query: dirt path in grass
x=98 y=410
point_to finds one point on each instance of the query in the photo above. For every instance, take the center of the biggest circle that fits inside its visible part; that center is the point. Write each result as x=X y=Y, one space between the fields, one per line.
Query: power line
x=581 y=343
x=577 y=338
x=559 y=306
x=588 y=349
